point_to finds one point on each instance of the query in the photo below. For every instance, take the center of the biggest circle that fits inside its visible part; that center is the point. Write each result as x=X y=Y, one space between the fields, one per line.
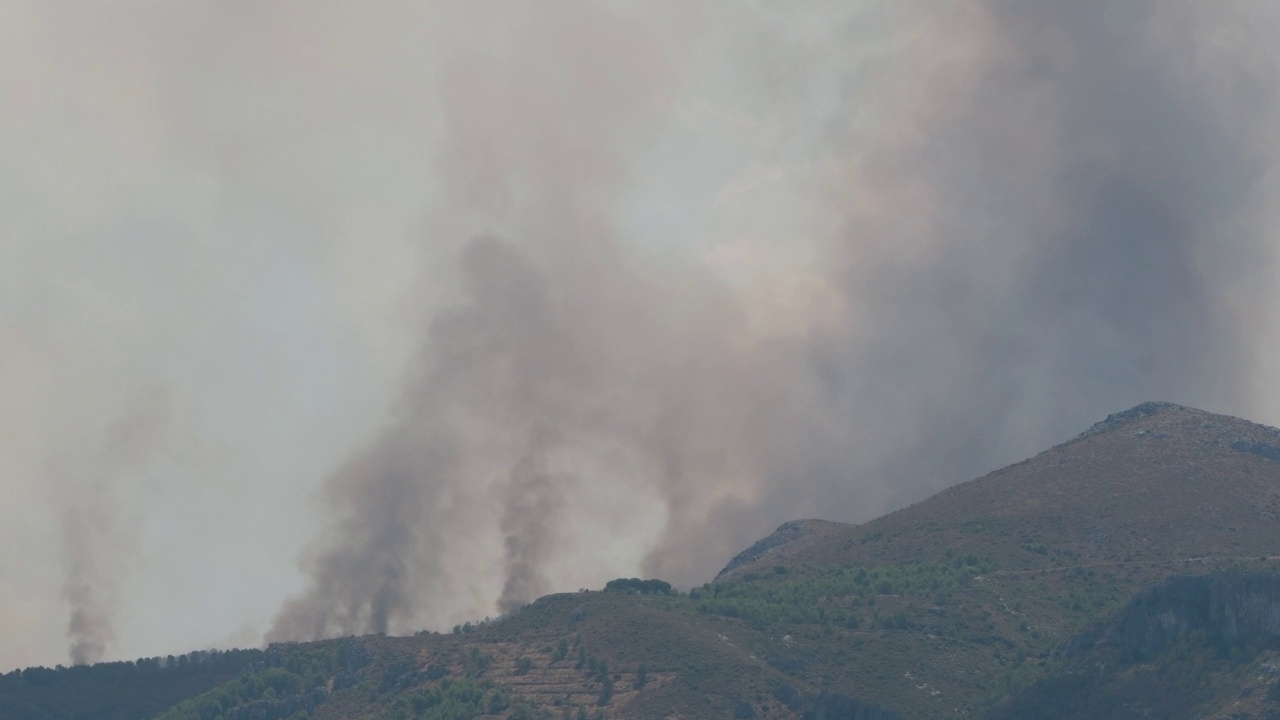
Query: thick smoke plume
x=1006 y=220
x=543 y=294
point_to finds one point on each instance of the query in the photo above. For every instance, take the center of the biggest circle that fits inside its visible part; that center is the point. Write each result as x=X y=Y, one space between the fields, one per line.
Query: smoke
x=91 y=594
x=1057 y=215
x=529 y=515
x=98 y=544
x=394 y=498
x=544 y=295
x=1048 y=216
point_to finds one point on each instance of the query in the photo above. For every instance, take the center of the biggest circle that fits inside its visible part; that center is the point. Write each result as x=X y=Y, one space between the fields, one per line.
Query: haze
x=322 y=318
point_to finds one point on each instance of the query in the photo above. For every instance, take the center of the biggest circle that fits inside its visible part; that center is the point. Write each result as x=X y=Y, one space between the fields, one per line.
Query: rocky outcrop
x=1230 y=608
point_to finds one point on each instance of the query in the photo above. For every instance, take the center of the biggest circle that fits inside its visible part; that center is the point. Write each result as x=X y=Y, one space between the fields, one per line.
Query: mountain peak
x=1166 y=419
x=1157 y=482
x=1142 y=411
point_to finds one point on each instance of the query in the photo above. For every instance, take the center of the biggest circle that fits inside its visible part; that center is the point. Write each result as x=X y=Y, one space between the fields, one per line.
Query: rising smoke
x=1052 y=214
x=98 y=541
x=637 y=282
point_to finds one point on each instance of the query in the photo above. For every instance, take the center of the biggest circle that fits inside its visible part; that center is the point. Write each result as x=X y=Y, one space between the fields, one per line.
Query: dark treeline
x=123 y=690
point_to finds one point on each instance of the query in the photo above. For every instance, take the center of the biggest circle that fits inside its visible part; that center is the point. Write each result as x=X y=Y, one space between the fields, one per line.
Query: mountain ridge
x=1026 y=592
x=1175 y=443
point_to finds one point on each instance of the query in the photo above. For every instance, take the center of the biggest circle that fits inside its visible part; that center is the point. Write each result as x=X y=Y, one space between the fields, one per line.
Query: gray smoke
x=1055 y=211
x=90 y=592
x=529 y=515
x=1060 y=224
x=98 y=541
x=494 y=362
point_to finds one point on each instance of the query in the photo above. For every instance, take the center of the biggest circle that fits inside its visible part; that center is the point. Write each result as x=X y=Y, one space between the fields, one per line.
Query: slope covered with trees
x=118 y=690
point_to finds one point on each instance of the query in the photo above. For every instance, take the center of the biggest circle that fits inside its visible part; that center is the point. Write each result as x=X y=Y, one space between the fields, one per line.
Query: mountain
x=1133 y=571
x=1155 y=484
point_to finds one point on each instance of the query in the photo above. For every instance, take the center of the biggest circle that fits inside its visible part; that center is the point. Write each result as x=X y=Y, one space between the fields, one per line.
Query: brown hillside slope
x=1156 y=483
x=945 y=609
x=1129 y=573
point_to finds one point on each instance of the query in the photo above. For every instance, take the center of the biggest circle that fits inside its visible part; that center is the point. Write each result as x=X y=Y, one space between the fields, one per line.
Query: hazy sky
x=411 y=311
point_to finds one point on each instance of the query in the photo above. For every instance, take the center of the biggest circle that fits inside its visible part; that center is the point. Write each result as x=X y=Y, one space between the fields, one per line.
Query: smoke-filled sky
x=321 y=317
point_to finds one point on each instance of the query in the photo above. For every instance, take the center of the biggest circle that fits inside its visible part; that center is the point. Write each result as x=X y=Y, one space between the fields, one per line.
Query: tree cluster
x=122 y=690
x=636 y=586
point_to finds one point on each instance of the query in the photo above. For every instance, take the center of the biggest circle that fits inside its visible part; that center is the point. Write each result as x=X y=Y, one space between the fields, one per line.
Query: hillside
x=1157 y=483
x=118 y=690
x=1130 y=572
